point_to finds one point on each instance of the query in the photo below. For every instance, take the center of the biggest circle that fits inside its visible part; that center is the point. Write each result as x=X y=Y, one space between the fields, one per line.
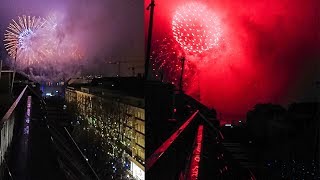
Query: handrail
x=158 y=153
x=12 y=108
x=6 y=128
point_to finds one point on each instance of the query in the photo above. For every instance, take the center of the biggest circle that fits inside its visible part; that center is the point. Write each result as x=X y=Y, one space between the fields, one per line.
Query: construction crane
x=124 y=62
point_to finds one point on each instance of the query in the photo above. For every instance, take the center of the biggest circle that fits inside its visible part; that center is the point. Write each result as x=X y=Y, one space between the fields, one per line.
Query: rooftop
x=130 y=89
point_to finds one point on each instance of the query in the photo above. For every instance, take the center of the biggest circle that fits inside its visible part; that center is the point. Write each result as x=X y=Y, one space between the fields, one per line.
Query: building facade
x=119 y=119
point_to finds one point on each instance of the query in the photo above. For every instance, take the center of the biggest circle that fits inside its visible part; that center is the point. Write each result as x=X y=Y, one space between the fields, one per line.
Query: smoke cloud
x=105 y=30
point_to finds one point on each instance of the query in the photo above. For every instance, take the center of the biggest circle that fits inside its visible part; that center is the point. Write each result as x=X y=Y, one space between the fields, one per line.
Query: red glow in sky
x=268 y=53
x=166 y=62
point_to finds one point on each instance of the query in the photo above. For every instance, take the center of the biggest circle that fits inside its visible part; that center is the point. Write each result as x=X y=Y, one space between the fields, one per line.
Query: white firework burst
x=21 y=37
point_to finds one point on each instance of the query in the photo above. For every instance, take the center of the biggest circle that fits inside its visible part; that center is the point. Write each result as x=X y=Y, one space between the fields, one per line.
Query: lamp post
x=317 y=143
x=317 y=130
x=14 y=69
x=182 y=58
x=148 y=49
x=181 y=76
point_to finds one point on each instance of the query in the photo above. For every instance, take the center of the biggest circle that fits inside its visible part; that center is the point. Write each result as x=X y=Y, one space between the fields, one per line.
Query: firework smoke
x=269 y=52
x=89 y=32
x=41 y=50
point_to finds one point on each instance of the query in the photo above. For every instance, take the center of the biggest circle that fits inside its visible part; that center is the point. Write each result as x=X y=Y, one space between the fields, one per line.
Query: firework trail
x=165 y=58
x=167 y=65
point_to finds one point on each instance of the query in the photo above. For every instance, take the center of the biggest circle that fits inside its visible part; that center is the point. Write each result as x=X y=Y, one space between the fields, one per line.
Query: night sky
x=270 y=50
x=104 y=28
x=270 y=53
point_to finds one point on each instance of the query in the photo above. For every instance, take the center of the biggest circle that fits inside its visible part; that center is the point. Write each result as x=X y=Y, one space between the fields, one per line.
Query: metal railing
x=163 y=148
x=7 y=127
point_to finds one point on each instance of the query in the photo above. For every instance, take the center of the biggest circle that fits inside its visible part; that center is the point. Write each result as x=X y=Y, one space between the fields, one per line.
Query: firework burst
x=21 y=38
x=167 y=65
x=43 y=49
x=196 y=28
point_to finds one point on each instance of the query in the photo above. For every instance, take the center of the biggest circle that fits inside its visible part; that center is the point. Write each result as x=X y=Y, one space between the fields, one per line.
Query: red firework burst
x=166 y=62
x=196 y=28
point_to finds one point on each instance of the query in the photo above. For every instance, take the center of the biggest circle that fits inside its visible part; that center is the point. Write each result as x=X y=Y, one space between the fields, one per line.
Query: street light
x=317 y=139
x=182 y=71
x=148 y=49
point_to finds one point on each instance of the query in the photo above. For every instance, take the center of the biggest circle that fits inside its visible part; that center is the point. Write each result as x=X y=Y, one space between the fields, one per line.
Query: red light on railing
x=196 y=155
x=158 y=153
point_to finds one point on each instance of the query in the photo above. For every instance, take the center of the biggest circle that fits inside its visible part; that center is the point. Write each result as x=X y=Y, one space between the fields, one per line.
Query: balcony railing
x=7 y=127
